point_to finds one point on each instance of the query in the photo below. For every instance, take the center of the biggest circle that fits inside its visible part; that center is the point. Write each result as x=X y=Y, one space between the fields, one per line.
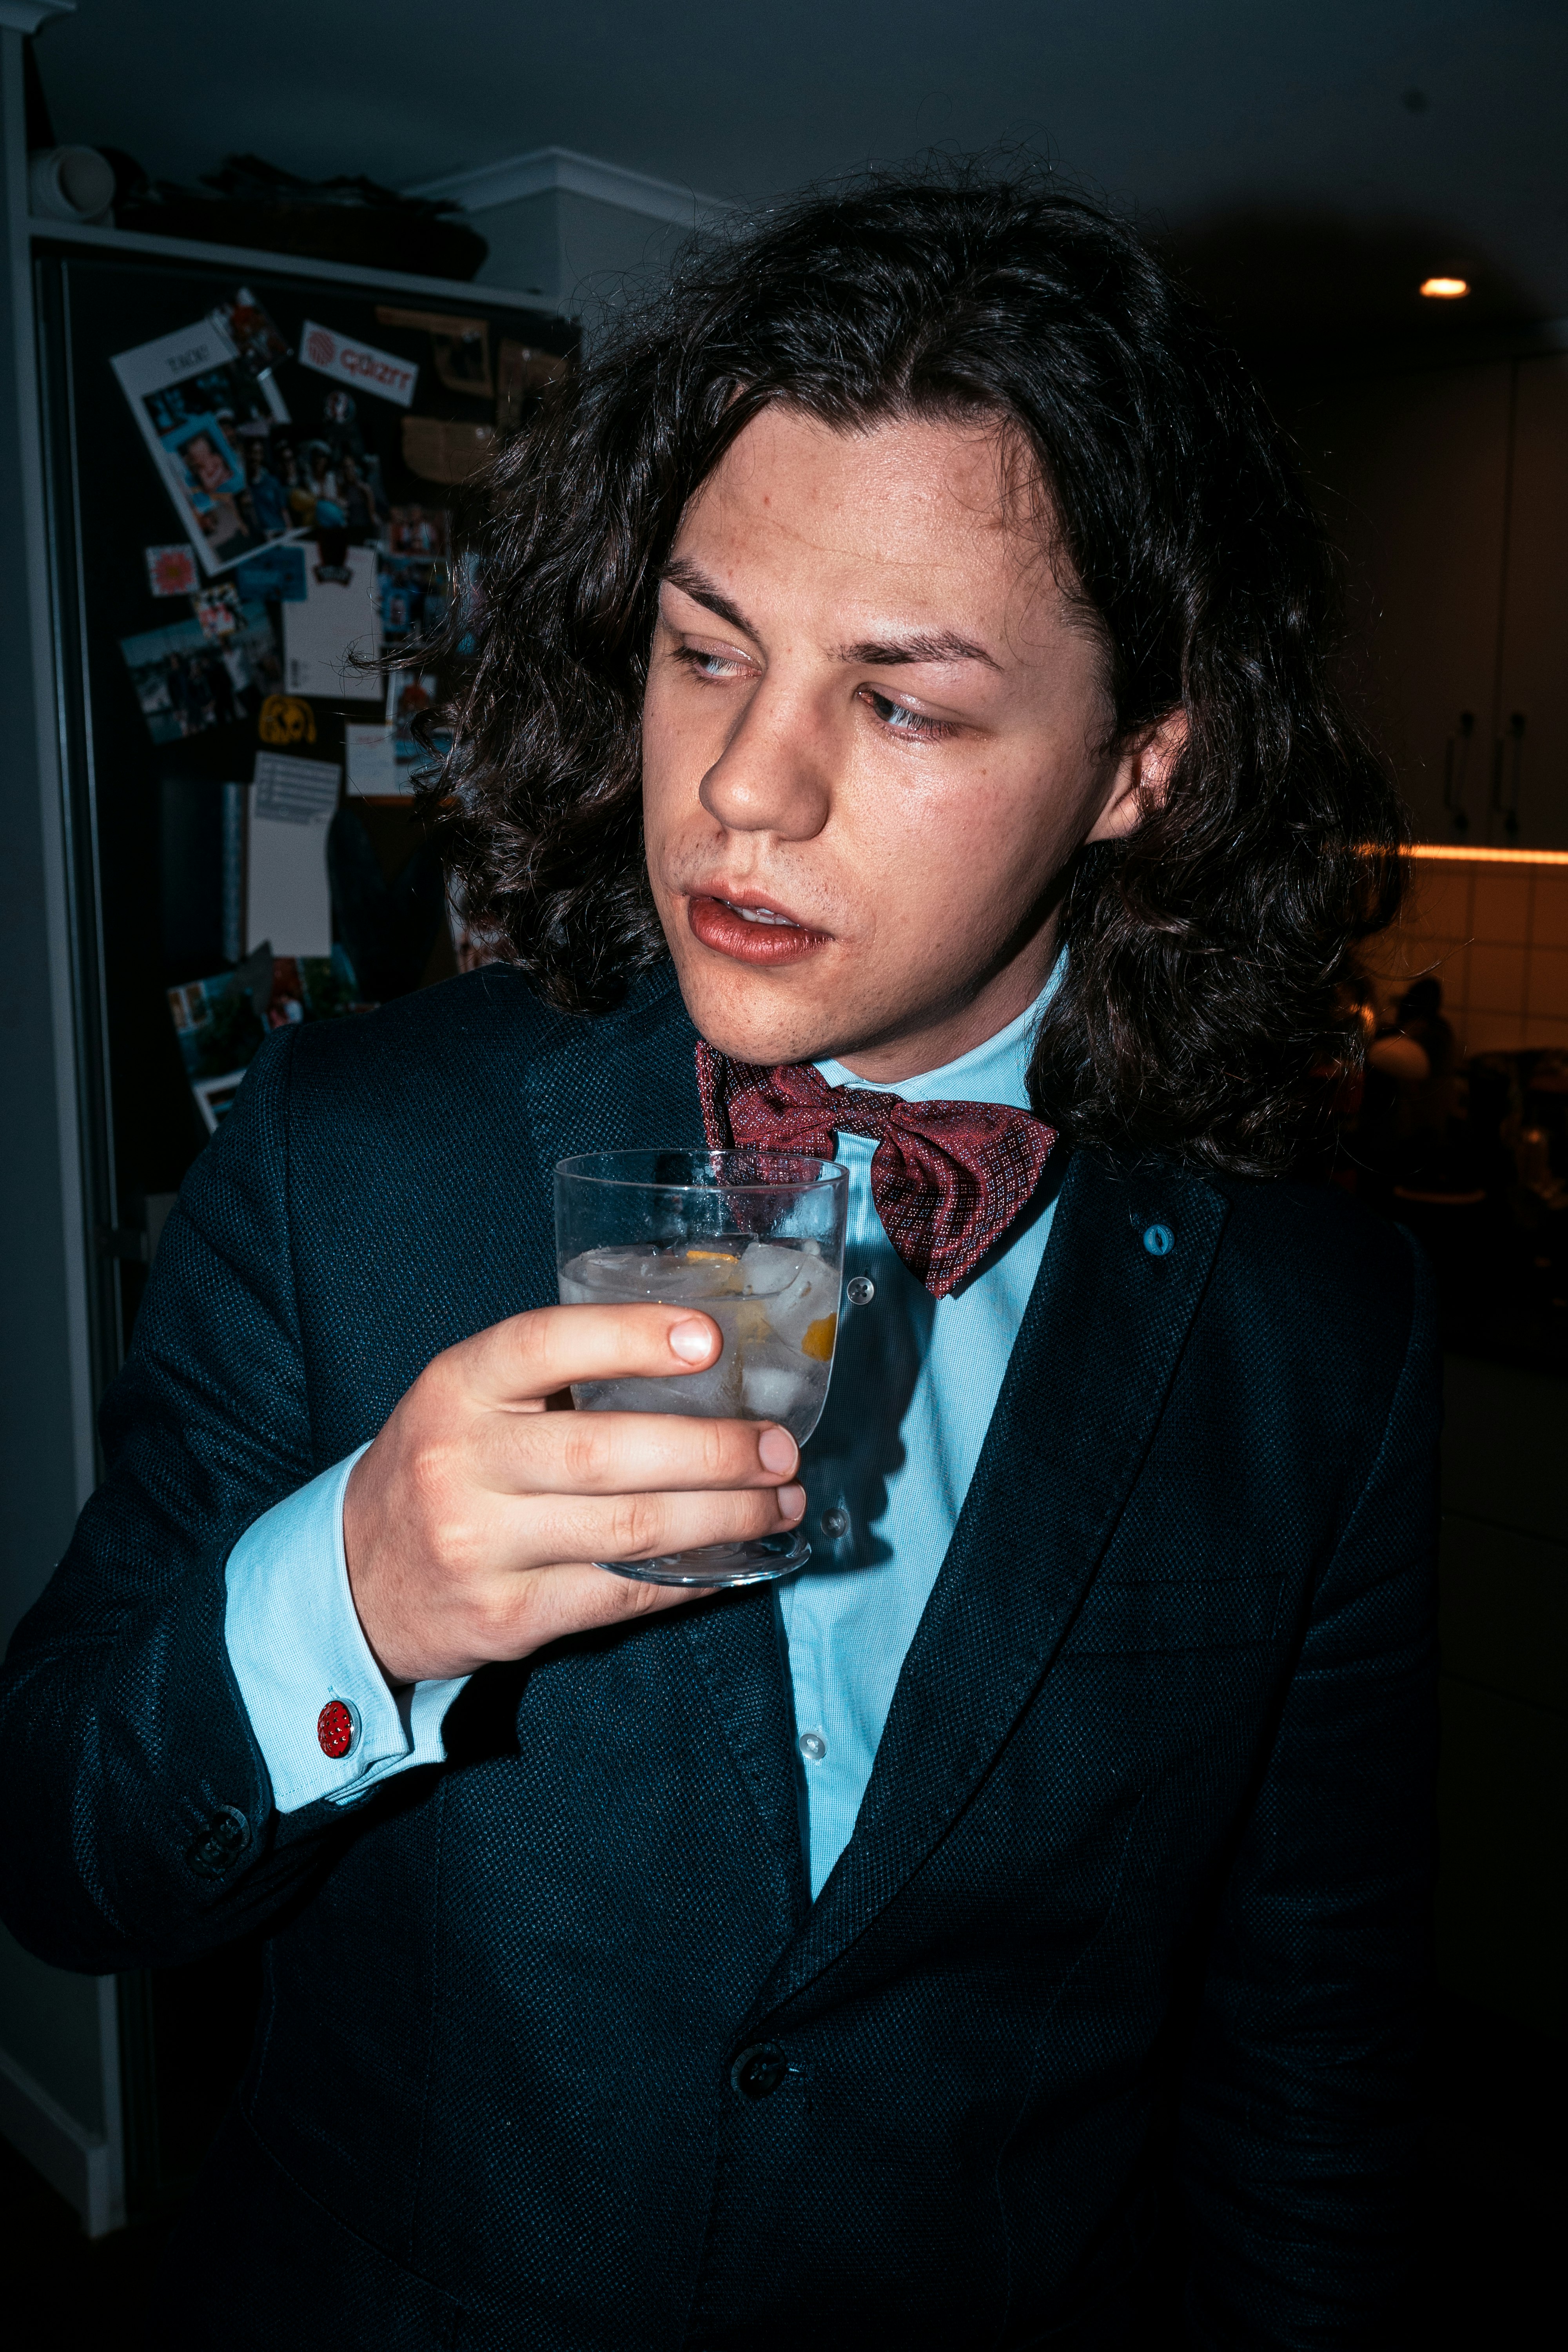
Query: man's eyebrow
x=701 y=589
x=876 y=653
x=944 y=645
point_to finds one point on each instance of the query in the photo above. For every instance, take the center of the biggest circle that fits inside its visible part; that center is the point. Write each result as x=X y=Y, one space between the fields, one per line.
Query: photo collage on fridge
x=292 y=580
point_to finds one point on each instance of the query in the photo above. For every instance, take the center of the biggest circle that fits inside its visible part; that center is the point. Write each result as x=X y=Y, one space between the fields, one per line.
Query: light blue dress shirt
x=915 y=1381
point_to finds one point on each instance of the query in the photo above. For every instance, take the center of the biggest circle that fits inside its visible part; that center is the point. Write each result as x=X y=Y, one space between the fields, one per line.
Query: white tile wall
x=1497 y=939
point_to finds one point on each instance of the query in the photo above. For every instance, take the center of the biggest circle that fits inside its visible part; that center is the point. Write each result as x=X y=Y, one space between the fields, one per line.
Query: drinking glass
x=755 y=1239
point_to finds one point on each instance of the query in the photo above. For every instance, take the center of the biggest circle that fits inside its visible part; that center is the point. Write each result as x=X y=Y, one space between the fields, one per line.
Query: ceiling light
x=1445 y=289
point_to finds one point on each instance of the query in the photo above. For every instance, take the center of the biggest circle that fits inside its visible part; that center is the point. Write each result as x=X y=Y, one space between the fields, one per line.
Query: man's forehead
x=784 y=452
x=879 y=538
x=936 y=503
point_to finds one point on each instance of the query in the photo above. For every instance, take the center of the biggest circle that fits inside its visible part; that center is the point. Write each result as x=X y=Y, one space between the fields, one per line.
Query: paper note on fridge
x=288 y=898
x=374 y=773
x=356 y=363
x=339 y=615
x=294 y=791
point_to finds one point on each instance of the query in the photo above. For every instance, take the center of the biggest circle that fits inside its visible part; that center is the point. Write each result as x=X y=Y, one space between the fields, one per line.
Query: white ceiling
x=1191 y=110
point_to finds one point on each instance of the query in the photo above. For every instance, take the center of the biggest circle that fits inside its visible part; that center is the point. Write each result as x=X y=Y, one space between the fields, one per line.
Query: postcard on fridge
x=187 y=678
x=338 y=619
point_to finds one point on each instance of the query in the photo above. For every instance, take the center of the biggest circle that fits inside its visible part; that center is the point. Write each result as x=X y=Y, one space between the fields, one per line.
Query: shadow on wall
x=1286 y=282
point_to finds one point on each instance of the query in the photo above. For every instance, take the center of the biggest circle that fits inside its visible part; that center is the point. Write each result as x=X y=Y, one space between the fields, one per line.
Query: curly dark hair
x=1210 y=1005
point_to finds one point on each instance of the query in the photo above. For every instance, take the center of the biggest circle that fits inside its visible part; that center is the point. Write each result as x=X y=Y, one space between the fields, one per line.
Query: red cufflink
x=337 y=1728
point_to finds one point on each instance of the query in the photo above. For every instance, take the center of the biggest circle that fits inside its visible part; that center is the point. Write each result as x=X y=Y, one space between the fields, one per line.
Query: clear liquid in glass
x=755 y=1239
x=775 y=1302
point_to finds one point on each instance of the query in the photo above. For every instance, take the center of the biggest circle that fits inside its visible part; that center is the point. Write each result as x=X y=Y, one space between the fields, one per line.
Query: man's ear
x=1141 y=774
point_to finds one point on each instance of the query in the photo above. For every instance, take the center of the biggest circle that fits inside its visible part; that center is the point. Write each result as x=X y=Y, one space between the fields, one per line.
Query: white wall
x=587 y=236
x=587 y=257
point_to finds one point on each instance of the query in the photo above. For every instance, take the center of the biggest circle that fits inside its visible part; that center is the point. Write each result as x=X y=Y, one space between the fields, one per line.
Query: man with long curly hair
x=893 y=708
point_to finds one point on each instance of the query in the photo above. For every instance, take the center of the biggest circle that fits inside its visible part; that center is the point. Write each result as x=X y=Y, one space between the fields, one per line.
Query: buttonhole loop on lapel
x=1159 y=1240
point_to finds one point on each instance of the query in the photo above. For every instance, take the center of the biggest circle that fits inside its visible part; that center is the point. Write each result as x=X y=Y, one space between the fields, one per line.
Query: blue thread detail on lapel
x=1159 y=1240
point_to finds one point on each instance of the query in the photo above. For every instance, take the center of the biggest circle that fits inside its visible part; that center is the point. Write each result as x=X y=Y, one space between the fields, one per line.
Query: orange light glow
x=1445 y=289
x=1489 y=857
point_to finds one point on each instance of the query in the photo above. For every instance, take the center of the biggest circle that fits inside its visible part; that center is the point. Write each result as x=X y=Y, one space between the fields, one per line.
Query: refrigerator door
x=205 y=724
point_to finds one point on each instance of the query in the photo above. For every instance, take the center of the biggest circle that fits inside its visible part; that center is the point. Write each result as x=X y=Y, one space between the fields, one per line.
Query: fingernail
x=792 y=1501
x=776 y=1450
x=692 y=1342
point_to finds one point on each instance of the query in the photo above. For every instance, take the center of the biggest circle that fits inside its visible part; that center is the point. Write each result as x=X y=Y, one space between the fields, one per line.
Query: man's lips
x=759 y=934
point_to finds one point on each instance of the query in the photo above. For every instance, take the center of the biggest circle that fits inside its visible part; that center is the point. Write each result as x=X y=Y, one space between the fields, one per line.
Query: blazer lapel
x=625 y=1083
x=1084 y=1389
x=738 y=1645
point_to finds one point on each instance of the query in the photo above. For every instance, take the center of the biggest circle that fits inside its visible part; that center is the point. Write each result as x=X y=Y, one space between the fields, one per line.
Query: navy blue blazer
x=1137 y=1901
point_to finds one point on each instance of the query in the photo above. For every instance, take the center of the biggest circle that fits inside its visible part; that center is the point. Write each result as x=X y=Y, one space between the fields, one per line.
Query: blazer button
x=218 y=1846
x=759 y=2070
x=337 y=1728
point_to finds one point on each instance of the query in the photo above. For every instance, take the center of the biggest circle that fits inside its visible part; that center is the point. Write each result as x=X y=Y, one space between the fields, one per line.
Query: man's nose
x=774 y=775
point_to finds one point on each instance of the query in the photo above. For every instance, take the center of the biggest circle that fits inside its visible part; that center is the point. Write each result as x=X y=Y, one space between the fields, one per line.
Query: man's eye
x=898 y=719
x=708 y=665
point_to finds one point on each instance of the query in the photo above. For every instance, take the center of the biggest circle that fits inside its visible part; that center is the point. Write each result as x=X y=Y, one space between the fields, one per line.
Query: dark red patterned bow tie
x=947 y=1178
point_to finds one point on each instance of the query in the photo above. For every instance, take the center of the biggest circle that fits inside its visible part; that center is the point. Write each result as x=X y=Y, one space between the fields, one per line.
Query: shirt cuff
x=296 y=1645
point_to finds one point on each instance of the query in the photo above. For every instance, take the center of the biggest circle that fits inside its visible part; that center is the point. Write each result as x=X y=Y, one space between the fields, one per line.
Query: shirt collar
x=995 y=1071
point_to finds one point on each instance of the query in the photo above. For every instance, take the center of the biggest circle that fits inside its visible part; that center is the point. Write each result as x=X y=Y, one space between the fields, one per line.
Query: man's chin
x=760 y=1016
